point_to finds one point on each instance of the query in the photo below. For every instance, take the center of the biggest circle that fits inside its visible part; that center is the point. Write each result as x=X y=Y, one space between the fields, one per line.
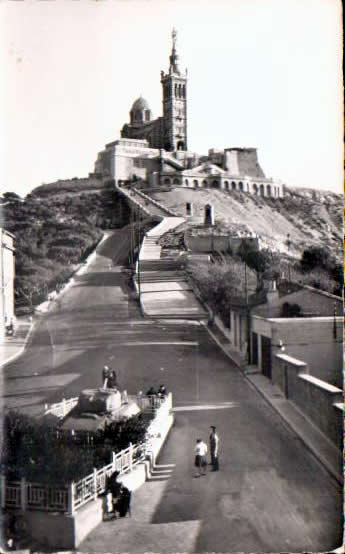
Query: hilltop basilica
x=155 y=151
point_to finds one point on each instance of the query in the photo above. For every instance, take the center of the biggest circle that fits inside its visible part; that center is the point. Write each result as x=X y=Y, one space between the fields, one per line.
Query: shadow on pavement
x=101 y=279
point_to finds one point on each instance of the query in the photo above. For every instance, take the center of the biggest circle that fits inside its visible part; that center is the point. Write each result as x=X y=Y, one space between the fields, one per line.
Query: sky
x=261 y=73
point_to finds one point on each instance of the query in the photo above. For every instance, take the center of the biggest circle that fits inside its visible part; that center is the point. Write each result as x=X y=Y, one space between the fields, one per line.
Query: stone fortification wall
x=243 y=161
x=126 y=159
x=220 y=243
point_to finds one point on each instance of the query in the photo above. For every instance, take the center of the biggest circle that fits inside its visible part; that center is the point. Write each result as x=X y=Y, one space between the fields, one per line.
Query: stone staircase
x=164 y=291
x=156 y=276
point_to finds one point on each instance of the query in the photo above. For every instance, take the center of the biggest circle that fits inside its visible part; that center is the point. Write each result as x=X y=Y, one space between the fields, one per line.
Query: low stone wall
x=216 y=242
x=314 y=397
x=158 y=204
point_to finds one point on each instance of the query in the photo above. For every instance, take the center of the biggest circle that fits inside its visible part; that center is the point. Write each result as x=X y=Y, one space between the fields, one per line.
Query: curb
x=310 y=448
x=70 y=281
x=221 y=346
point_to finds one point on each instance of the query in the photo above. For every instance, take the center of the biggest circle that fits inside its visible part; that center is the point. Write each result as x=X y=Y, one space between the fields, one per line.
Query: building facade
x=170 y=130
x=156 y=150
x=7 y=273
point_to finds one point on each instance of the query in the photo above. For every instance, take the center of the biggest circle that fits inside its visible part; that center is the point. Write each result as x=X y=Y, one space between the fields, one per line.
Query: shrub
x=32 y=449
x=315 y=256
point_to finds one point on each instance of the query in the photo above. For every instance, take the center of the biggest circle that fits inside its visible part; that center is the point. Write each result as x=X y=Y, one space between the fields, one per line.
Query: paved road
x=270 y=495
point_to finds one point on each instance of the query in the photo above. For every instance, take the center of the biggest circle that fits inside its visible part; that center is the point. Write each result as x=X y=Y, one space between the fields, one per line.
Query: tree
x=11 y=197
x=259 y=261
x=217 y=283
x=315 y=256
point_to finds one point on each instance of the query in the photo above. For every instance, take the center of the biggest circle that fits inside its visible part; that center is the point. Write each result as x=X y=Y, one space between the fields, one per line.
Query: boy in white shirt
x=200 y=457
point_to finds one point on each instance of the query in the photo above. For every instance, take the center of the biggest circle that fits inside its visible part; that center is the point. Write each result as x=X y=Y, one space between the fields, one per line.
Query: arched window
x=196 y=183
x=176 y=181
x=186 y=182
x=226 y=185
x=204 y=183
x=166 y=181
x=268 y=190
x=184 y=91
x=262 y=190
x=240 y=186
x=179 y=91
x=215 y=184
x=180 y=145
x=233 y=185
x=255 y=189
x=175 y=90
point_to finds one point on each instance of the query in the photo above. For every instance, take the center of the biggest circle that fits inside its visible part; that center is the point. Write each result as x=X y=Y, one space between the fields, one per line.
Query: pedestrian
x=112 y=379
x=162 y=392
x=105 y=376
x=214 y=448
x=152 y=394
x=200 y=457
x=113 y=486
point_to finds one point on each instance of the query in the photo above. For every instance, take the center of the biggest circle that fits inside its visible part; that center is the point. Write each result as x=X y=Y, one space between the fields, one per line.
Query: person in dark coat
x=113 y=485
x=112 y=379
x=152 y=394
x=123 y=505
x=162 y=391
x=214 y=448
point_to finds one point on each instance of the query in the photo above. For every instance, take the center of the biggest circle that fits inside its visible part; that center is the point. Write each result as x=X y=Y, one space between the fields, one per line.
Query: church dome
x=140 y=104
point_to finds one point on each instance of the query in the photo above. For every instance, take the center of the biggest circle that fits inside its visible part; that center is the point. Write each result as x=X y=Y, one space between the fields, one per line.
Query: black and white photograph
x=171 y=276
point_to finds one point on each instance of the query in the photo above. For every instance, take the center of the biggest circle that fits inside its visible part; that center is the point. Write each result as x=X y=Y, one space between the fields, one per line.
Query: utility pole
x=288 y=242
x=138 y=259
x=247 y=312
x=132 y=241
x=335 y=321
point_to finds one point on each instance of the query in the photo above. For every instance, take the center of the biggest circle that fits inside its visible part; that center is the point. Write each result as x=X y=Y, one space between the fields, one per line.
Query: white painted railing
x=94 y=484
x=61 y=409
x=33 y=496
x=145 y=403
x=38 y=496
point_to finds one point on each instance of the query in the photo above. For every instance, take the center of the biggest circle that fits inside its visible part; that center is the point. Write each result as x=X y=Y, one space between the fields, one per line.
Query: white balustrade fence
x=38 y=496
x=61 y=409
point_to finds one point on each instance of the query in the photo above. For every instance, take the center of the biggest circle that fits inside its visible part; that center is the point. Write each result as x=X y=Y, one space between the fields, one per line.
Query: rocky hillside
x=310 y=218
x=55 y=229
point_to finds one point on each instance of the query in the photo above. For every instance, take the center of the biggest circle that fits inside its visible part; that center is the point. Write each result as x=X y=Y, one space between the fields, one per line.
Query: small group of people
x=109 y=378
x=154 y=395
x=120 y=496
x=201 y=453
x=161 y=392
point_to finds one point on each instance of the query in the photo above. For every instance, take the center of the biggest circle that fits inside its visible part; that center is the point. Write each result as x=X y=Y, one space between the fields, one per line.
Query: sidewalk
x=314 y=440
x=12 y=347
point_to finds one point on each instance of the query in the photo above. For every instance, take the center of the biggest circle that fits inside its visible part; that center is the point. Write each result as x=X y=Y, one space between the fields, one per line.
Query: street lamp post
x=288 y=243
x=138 y=261
x=247 y=312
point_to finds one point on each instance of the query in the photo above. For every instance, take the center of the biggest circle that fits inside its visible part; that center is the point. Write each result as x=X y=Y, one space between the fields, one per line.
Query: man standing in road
x=214 y=448
x=200 y=457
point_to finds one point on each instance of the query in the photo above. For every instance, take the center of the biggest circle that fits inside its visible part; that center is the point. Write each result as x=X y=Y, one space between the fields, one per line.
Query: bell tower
x=174 y=85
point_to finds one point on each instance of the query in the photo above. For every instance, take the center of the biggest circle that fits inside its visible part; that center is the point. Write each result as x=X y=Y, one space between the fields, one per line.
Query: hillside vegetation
x=308 y=221
x=55 y=230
